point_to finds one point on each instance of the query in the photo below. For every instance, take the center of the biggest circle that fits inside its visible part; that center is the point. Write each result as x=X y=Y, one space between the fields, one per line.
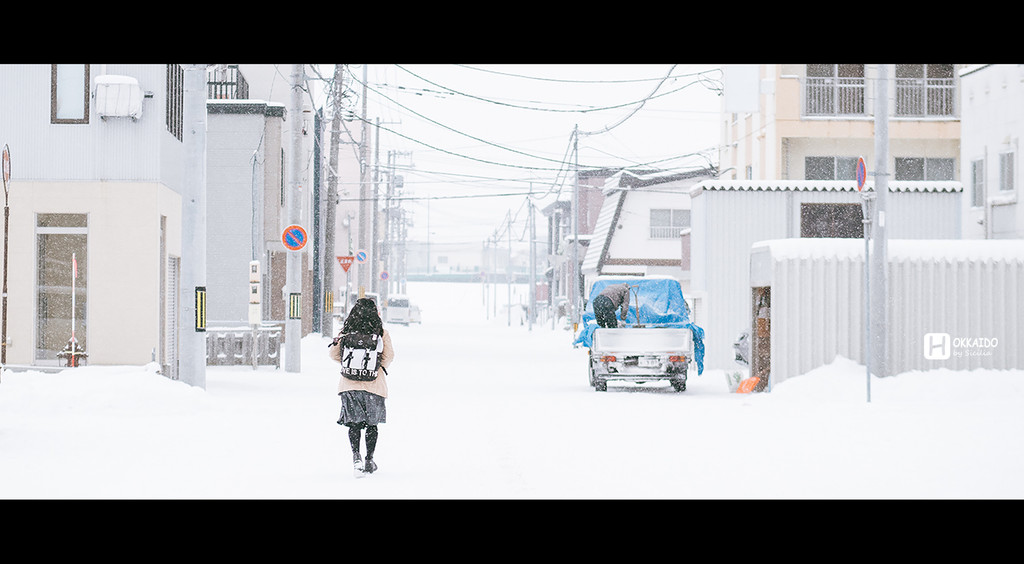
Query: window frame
x=671 y=227
x=928 y=167
x=1006 y=174
x=977 y=183
x=174 y=119
x=813 y=213
x=839 y=164
x=72 y=224
x=53 y=98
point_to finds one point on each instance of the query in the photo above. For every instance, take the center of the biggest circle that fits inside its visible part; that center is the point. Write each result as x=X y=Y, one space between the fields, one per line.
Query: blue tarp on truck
x=660 y=303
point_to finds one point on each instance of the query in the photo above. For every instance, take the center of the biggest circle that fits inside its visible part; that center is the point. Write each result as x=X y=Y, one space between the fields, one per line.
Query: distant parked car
x=399 y=310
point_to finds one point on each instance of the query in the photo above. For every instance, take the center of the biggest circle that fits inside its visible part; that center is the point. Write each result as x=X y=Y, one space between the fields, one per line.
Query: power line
x=575 y=81
x=700 y=80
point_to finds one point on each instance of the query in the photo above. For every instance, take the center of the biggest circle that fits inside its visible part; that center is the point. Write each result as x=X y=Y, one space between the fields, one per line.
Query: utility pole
x=508 y=269
x=385 y=244
x=364 y=196
x=192 y=361
x=327 y=327
x=318 y=232
x=374 y=255
x=293 y=259
x=533 y=260
x=574 y=267
x=879 y=253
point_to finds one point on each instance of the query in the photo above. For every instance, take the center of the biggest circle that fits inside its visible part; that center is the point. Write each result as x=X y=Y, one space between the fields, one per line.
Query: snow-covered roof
x=825 y=185
x=986 y=250
x=637 y=179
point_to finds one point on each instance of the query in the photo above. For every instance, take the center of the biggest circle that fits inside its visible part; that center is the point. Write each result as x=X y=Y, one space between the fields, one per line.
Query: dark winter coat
x=619 y=296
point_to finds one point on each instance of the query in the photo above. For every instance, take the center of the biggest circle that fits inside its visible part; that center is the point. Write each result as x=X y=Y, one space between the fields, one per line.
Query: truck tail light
x=608 y=358
x=677 y=358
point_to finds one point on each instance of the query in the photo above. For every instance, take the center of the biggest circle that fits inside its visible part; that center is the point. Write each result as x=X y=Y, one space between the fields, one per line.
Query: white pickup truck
x=640 y=354
x=655 y=343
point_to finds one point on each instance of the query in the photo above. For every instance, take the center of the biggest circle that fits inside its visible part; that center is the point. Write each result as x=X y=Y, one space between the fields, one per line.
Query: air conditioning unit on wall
x=118 y=96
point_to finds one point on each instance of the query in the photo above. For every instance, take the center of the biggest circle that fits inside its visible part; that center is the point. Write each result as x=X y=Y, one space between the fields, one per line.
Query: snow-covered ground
x=482 y=410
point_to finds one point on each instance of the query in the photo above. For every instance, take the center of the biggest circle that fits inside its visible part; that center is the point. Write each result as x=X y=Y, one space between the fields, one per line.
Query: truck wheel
x=597 y=383
x=678 y=385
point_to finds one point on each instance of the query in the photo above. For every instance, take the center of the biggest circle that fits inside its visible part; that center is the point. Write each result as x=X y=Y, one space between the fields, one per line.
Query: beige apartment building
x=812 y=121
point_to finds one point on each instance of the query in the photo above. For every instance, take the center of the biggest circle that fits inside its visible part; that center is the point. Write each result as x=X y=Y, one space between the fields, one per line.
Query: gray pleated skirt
x=359 y=406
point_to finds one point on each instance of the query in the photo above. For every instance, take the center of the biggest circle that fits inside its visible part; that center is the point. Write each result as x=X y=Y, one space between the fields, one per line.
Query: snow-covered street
x=481 y=410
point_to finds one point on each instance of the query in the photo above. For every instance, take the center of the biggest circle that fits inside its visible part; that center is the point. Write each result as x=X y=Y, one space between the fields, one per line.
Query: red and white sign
x=345 y=262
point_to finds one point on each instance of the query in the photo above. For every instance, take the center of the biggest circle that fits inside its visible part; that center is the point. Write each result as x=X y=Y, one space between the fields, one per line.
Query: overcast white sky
x=467 y=134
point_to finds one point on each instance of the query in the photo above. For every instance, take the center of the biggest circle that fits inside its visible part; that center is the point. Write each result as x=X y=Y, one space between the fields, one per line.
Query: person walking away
x=363 y=399
x=607 y=301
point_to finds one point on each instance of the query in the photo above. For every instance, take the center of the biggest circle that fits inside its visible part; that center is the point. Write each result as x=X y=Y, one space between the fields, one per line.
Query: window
x=175 y=100
x=69 y=93
x=830 y=168
x=924 y=90
x=831 y=220
x=834 y=90
x=666 y=224
x=978 y=183
x=919 y=168
x=62 y=264
x=1006 y=172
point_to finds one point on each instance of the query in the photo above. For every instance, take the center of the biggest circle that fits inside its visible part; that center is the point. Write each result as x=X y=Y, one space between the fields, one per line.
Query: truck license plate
x=648 y=362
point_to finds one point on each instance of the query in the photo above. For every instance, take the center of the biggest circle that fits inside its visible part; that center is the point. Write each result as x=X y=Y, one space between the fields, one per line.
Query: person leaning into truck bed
x=607 y=301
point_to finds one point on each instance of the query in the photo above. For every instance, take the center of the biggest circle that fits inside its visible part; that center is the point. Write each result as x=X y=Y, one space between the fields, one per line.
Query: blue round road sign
x=862 y=173
x=360 y=256
x=294 y=237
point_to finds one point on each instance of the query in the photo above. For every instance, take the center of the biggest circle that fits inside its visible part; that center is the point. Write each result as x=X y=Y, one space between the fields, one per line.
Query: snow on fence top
x=949 y=250
x=825 y=186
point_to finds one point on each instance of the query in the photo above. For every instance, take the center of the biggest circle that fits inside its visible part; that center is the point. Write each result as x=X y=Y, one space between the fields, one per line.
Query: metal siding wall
x=735 y=221
x=114 y=149
x=819 y=313
x=924 y=215
x=231 y=142
x=817 y=310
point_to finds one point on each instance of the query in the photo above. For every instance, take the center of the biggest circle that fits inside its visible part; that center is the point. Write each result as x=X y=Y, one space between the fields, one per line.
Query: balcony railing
x=663 y=232
x=925 y=96
x=831 y=96
x=915 y=97
x=226 y=83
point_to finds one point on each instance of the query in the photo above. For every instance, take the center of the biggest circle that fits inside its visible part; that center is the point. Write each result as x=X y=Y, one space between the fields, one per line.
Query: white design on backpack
x=361 y=356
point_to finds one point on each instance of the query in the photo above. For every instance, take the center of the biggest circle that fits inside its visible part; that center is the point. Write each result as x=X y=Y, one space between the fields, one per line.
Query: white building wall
x=123 y=174
x=632 y=233
x=992 y=123
x=235 y=183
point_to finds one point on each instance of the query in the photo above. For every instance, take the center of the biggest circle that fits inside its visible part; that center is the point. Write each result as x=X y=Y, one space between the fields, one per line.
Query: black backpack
x=361 y=355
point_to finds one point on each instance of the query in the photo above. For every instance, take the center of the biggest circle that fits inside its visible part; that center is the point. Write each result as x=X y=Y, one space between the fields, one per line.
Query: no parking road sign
x=294 y=237
x=862 y=174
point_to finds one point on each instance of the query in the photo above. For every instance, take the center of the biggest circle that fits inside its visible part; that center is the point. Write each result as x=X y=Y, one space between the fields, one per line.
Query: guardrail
x=234 y=346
